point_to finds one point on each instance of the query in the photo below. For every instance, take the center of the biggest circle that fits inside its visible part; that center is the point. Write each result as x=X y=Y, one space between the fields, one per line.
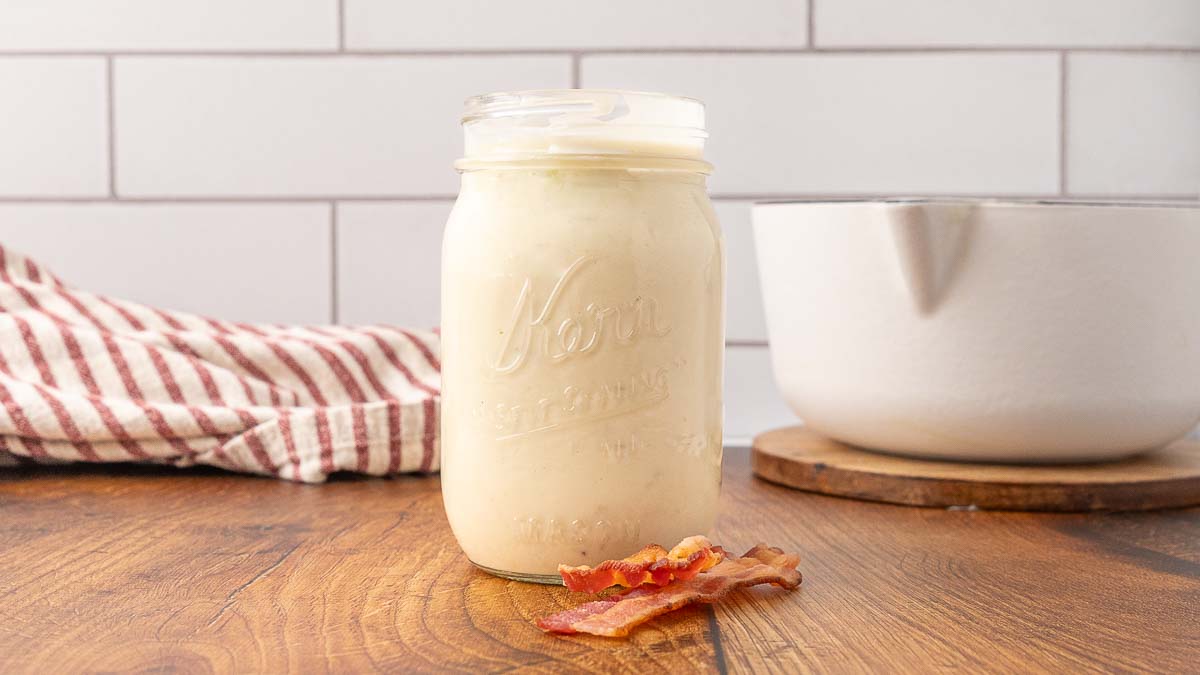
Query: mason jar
x=582 y=328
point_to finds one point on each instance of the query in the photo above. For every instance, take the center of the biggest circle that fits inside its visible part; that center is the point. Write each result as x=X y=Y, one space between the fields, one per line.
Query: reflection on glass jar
x=582 y=324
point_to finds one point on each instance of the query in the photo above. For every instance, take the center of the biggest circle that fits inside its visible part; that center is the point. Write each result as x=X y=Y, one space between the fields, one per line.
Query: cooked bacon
x=651 y=565
x=617 y=614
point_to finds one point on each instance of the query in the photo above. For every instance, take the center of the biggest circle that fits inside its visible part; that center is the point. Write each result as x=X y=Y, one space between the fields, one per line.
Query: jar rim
x=583 y=122
x=498 y=103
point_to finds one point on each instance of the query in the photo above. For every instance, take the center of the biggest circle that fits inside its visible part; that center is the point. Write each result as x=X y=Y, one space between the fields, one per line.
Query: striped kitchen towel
x=87 y=378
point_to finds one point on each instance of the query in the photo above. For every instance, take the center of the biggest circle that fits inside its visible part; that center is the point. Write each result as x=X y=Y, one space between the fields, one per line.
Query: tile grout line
x=225 y=199
x=1063 y=74
x=604 y=51
x=812 y=24
x=921 y=194
x=983 y=49
x=341 y=25
x=111 y=128
x=717 y=196
x=333 y=263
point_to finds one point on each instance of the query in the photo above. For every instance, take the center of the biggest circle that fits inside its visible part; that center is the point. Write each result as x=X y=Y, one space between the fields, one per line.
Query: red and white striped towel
x=86 y=378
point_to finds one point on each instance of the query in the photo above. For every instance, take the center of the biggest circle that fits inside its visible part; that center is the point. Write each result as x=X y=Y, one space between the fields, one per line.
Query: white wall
x=290 y=160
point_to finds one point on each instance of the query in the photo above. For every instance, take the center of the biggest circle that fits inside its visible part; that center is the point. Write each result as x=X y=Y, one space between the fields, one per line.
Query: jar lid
x=523 y=125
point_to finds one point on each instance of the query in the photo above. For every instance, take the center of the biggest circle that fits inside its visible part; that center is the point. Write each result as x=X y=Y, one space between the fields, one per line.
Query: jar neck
x=504 y=177
x=584 y=129
x=585 y=163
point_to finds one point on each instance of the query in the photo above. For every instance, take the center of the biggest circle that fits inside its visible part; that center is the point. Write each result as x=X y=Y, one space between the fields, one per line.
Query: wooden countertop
x=142 y=569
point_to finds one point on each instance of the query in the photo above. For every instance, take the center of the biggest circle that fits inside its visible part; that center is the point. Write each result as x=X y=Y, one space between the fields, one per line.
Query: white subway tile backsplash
x=345 y=126
x=900 y=96
x=948 y=123
x=753 y=403
x=551 y=24
x=744 y=320
x=389 y=262
x=242 y=262
x=1134 y=124
x=167 y=25
x=986 y=23
x=53 y=137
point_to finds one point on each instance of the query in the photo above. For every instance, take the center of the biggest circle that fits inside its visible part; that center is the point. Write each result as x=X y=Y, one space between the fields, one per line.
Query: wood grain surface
x=799 y=458
x=157 y=570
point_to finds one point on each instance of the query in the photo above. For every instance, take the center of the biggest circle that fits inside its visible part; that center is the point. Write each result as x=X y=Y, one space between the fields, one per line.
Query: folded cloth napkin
x=87 y=378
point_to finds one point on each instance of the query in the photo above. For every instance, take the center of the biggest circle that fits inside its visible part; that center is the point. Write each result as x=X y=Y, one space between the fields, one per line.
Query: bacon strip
x=617 y=614
x=651 y=565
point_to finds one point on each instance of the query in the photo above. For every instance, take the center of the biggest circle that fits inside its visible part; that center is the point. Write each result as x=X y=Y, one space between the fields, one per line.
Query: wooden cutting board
x=799 y=458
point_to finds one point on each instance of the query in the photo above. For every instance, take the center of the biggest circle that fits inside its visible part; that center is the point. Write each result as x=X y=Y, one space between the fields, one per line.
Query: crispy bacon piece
x=617 y=614
x=651 y=565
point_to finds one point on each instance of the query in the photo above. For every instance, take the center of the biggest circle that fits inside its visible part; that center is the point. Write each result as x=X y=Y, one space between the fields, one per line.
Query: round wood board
x=802 y=459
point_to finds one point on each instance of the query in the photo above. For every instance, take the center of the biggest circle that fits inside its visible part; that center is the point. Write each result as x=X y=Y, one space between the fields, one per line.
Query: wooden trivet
x=802 y=459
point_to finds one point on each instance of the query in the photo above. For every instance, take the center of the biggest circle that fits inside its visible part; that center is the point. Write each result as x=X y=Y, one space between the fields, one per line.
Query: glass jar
x=582 y=328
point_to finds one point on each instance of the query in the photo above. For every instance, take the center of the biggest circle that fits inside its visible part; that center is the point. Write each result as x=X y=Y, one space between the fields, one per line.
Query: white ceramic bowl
x=986 y=330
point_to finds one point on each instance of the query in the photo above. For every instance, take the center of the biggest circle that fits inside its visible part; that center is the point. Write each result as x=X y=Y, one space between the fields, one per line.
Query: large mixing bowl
x=986 y=330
